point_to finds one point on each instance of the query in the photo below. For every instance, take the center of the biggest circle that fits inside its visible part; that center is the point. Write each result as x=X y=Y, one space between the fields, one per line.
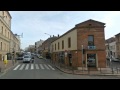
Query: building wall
x=97 y=30
x=117 y=37
x=37 y=44
x=5 y=25
x=72 y=35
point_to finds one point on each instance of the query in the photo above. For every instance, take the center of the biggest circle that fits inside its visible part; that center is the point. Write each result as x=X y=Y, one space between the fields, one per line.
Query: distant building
x=46 y=46
x=37 y=44
x=111 y=48
x=117 y=38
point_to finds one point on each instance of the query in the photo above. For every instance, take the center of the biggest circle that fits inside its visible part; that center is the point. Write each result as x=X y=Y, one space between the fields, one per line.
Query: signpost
x=82 y=57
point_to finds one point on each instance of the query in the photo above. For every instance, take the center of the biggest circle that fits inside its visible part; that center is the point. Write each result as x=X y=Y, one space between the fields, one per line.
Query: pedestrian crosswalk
x=33 y=66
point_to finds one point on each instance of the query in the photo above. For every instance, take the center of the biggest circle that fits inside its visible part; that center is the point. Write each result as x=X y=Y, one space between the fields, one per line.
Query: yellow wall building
x=8 y=40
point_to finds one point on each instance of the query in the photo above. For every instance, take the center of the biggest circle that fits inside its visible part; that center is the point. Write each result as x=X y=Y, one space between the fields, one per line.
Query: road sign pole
x=82 y=57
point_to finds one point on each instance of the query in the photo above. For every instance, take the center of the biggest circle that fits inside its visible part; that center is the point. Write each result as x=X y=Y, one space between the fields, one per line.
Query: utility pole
x=82 y=57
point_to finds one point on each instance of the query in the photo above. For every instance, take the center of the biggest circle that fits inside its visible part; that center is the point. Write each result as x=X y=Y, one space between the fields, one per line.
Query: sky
x=34 y=24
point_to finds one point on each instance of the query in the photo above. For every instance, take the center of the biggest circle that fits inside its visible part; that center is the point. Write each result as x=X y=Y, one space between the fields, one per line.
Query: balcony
x=91 y=47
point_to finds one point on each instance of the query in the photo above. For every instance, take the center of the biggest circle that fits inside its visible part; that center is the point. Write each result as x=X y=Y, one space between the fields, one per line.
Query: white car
x=115 y=60
x=27 y=58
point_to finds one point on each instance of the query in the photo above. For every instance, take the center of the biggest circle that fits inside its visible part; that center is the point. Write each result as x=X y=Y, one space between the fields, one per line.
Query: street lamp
x=47 y=34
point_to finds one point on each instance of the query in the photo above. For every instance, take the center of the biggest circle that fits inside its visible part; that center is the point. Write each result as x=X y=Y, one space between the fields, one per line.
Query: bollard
x=117 y=70
x=88 y=70
x=0 y=69
x=112 y=71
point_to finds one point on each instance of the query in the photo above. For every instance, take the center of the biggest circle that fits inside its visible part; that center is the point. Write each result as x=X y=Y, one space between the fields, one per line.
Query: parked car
x=115 y=59
x=19 y=58
x=27 y=58
x=40 y=57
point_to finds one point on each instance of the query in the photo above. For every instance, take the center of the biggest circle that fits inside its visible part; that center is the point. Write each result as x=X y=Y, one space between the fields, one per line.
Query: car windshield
x=26 y=56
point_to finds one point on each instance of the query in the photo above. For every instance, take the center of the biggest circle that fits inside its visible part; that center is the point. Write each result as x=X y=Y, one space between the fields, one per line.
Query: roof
x=90 y=20
x=112 y=39
x=77 y=25
x=117 y=34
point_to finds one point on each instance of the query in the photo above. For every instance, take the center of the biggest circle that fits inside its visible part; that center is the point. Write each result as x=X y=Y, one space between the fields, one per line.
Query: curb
x=87 y=74
x=3 y=72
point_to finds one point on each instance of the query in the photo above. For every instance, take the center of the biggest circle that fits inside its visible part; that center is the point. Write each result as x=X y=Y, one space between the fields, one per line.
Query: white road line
x=32 y=66
x=16 y=67
x=27 y=66
x=22 y=67
x=41 y=66
x=46 y=66
x=51 y=67
x=37 y=67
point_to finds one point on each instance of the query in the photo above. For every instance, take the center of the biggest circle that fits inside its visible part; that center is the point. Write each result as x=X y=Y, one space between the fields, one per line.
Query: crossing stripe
x=22 y=67
x=46 y=66
x=41 y=66
x=37 y=67
x=51 y=67
x=27 y=66
x=16 y=67
x=32 y=67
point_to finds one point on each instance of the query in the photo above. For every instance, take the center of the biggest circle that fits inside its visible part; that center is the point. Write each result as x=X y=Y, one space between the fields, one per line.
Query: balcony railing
x=91 y=47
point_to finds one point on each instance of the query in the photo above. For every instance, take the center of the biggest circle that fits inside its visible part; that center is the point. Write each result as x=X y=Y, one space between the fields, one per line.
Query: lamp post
x=47 y=34
x=82 y=57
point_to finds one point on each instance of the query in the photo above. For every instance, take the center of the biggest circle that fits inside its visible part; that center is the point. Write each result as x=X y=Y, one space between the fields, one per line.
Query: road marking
x=46 y=66
x=37 y=67
x=27 y=66
x=41 y=66
x=51 y=67
x=22 y=67
x=32 y=66
x=17 y=67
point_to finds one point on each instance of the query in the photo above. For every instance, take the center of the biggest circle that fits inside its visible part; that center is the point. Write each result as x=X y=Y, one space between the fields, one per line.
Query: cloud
x=33 y=24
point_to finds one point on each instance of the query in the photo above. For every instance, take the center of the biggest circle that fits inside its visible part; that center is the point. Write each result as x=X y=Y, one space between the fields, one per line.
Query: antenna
x=22 y=35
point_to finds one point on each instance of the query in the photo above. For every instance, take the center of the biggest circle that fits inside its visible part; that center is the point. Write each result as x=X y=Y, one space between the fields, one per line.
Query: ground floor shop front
x=90 y=59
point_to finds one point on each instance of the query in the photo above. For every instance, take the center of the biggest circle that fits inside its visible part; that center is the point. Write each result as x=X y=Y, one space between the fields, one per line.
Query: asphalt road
x=42 y=69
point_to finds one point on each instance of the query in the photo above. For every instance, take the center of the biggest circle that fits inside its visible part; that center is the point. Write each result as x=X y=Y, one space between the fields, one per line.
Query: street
x=42 y=69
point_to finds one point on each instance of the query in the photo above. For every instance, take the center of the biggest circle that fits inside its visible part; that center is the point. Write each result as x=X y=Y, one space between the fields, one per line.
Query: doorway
x=91 y=60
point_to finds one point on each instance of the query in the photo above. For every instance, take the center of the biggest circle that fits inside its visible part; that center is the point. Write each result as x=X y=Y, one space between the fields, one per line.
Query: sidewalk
x=9 y=65
x=104 y=72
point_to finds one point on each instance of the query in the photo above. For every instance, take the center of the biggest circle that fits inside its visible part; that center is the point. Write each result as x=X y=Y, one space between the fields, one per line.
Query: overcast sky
x=33 y=24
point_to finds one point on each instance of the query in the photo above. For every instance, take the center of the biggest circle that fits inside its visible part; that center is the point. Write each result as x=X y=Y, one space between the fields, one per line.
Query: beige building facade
x=8 y=40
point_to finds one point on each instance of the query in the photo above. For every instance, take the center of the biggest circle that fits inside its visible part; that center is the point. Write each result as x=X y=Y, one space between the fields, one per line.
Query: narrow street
x=42 y=69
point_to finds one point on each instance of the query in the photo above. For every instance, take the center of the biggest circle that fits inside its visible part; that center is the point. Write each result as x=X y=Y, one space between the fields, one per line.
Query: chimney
x=53 y=35
x=58 y=35
x=50 y=36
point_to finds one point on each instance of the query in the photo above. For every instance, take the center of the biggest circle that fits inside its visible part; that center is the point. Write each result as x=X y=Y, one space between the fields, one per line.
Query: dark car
x=19 y=58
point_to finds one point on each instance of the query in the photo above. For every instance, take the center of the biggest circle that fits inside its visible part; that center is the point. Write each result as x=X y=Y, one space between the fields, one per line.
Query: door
x=91 y=60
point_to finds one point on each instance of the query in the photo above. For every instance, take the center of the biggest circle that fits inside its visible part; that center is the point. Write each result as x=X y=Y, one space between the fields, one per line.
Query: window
x=91 y=60
x=90 y=40
x=2 y=29
x=7 y=48
x=52 y=47
x=55 y=46
x=62 y=44
x=4 y=47
x=5 y=32
x=69 y=42
x=3 y=13
x=58 y=45
x=8 y=34
x=1 y=45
